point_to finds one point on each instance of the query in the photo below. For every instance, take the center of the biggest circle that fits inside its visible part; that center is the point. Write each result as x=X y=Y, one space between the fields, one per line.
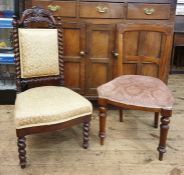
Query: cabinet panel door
x=74 y=35
x=99 y=64
x=144 y=49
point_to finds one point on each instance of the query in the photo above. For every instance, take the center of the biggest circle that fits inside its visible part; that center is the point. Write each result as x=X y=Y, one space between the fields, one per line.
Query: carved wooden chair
x=42 y=104
x=139 y=92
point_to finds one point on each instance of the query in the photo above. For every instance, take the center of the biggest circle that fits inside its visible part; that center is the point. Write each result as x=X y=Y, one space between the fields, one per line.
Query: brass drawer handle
x=149 y=11
x=53 y=8
x=101 y=9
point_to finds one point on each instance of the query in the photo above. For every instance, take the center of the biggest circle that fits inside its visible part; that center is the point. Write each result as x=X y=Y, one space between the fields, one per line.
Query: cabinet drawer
x=58 y=8
x=148 y=11
x=101 y=10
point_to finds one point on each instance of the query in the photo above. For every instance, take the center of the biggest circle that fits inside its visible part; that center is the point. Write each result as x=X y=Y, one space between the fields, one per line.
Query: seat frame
x=38 y=15
x=164 y=126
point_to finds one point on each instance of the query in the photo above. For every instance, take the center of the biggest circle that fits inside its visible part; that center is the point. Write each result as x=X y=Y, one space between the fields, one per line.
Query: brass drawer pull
x=53 y=8
x=101 y=9
x=149 y=11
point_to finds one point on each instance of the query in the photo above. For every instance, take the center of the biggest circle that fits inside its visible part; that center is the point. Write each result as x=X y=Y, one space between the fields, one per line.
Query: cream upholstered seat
x=49 y=105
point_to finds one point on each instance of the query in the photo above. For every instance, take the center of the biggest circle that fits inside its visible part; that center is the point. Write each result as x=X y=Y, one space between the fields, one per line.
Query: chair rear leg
x=156 y=119
x=22 y=152
x=121 y=115
x=164 y=127
x=86 y=134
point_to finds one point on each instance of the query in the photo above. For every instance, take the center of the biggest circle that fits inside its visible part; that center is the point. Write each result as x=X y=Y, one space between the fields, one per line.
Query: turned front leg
x=22 y=152
x=102 y=118
x=164 y=127
x=86 y=134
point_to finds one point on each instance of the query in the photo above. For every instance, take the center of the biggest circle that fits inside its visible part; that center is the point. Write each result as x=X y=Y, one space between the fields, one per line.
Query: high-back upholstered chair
x=140 y=92
x=42 y=104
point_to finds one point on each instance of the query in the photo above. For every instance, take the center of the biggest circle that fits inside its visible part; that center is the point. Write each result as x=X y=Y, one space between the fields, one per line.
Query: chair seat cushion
x=49 y=105
x=137 y=90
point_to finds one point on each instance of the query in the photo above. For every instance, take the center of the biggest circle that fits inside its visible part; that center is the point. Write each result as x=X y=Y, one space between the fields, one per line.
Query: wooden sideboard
x=91 y=44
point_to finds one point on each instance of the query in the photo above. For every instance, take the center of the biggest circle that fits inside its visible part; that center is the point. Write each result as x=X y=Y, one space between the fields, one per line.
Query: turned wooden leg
x=121 y=115
x=22 y=152
x=85 y=135
x=164 y=127
x=156 y=119
x=102 y=115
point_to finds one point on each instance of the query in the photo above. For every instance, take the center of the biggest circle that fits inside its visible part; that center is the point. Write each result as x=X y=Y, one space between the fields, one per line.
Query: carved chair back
x=145 y=49
x=38 y=38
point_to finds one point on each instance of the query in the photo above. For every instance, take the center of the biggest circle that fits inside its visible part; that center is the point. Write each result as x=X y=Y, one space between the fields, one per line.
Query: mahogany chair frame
x=38 y=15
x=165 y=113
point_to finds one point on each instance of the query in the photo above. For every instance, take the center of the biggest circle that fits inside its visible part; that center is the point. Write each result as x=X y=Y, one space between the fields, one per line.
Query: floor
x=130 y=147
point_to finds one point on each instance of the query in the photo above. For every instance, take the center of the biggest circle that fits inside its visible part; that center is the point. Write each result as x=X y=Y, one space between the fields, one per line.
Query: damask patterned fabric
x=137 y=90
x=38 y=52
x=49 y=105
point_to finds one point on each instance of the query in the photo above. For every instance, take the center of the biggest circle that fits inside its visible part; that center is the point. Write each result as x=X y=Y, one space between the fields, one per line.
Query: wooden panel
x=142 y=43
x=157 y=11
x=150 y=44
x=101 y=10
x=131 y=43
x=129 y=69
x=98 y=38
x=72 y=74
x=65 y=8
x=99 y=69
x=99 y=61
x=150 y=70
x=74 y=42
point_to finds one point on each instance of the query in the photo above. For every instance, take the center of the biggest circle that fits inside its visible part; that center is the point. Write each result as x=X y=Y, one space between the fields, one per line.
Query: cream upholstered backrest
x=38 y=52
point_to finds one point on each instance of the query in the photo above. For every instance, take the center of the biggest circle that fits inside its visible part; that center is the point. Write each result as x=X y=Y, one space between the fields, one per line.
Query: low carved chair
x=140 y=92
x=42 y=103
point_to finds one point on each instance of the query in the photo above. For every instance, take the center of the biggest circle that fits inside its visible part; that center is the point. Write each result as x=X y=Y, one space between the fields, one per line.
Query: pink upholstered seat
x=137 y=90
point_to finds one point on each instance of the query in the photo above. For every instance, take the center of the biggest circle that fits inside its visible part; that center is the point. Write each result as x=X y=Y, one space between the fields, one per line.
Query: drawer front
x=101 y=10
x=58 y=8
x=148 y=11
